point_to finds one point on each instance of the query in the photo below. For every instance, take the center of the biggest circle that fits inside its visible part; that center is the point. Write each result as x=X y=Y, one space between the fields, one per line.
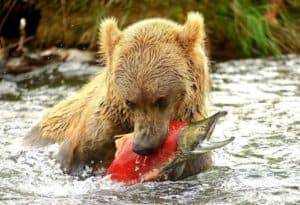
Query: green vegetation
x=245 y=23
x=235 y=28
x=256 y=32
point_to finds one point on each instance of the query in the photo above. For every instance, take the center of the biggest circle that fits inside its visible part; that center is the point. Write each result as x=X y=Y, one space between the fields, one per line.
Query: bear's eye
x=161 y=103
x=130 y=104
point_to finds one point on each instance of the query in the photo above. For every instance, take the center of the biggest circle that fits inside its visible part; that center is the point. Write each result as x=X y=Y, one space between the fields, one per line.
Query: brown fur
x=156 y=70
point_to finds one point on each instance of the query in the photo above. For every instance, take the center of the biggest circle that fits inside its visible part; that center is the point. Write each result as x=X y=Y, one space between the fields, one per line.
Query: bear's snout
x=141 y=150
x=147 y=140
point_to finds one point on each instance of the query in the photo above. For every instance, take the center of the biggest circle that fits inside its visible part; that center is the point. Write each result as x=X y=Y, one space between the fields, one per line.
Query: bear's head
x=157 y=69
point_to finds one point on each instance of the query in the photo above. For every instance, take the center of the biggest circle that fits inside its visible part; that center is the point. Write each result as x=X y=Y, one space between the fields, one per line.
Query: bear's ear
x=108 y=38
x=192 y=33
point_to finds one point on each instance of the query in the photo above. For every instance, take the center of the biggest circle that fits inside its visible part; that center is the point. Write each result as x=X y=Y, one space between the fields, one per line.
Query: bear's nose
x=141 y=150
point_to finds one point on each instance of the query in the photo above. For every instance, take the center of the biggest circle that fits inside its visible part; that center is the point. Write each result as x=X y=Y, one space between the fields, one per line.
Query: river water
x=262 y=165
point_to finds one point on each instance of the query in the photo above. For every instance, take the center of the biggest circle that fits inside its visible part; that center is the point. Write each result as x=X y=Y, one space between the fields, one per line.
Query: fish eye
x=201 y=129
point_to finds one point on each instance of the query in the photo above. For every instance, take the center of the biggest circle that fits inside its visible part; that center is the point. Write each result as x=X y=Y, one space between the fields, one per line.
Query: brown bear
x=156 y=70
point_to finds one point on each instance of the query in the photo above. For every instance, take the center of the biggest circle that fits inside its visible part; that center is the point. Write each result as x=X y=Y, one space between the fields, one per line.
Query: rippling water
x=262 y=165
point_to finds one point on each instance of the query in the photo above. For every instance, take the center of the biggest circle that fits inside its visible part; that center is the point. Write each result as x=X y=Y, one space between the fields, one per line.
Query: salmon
x=183 y=142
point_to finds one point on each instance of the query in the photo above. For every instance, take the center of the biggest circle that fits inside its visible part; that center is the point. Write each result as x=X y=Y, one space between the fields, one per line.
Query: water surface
x=262 y=165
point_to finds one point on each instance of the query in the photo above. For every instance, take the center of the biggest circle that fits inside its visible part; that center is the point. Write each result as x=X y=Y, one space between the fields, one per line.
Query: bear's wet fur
x=156 y=70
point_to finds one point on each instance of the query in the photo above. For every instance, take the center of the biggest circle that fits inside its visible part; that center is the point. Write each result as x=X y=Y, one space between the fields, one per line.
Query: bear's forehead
x=148 y=70
x=151 y=67
x=149 y=56
x=151 y=30
x=149 y=45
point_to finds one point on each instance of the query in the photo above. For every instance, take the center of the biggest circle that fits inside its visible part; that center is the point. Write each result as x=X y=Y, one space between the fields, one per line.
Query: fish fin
x=121 y=139
x=172 y=171
x=116 y=137
x=151 y=176
x=178 y=171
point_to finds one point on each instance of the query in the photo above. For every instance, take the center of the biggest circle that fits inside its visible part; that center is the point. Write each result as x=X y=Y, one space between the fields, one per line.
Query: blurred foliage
x=246 y=22
x=235 y=28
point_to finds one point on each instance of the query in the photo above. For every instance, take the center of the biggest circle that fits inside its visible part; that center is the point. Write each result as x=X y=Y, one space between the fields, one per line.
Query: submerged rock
x=9 y=91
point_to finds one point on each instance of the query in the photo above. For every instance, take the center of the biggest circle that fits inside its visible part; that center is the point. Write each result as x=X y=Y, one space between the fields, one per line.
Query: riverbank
x=235 y=29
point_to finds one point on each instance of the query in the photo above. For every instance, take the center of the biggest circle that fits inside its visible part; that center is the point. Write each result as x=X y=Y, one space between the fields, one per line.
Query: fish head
x=196 y=132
